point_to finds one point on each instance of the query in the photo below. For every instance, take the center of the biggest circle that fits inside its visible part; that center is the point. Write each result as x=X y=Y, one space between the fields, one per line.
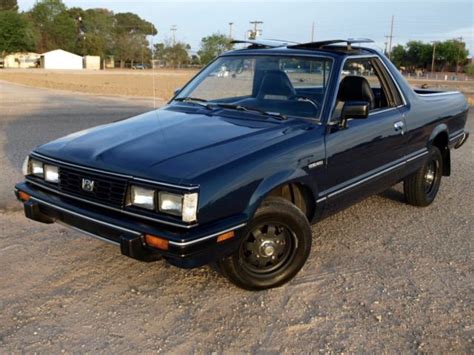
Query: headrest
x=356 y=88
x=275 y=85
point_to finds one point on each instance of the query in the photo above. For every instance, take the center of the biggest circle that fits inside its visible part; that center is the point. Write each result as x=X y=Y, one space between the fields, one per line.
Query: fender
x=442 y=129
x=437 y=130
x=279 y=179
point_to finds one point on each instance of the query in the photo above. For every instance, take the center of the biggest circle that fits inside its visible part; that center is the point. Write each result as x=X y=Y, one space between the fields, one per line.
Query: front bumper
x=187 y=248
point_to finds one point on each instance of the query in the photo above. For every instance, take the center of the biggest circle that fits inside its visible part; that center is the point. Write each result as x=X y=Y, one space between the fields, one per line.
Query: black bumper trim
x=110 y=208
x=85 y=217
x=126 y=230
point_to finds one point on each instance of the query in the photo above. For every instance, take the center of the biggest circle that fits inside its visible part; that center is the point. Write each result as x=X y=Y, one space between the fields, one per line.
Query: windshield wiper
x=276 y=115
x=194 y=100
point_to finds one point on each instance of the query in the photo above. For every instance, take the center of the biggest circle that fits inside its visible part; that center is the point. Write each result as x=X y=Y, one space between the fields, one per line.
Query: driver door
x=364 y=157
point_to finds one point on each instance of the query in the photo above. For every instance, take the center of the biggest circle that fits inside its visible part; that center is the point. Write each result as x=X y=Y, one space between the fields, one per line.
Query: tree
x=175 y=55
x=398 y=55
x=418 y=54
x=8 y=5
x=130 y=37
x=55 y=26
x=212 y=46
x=16 y=33
x=469 y=69
x=452 y=53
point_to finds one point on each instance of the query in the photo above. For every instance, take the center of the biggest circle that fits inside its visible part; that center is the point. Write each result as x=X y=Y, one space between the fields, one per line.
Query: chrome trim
x=366 y=179
x=417 y=156
x=79 y=166
x=452 y=92
x=85 y=217
x=95 y=236
x=456 y=135
x=182 y=243
x=112 y=208
x=198 y=240
x=400 y=91
x=114 y=174
x=403 y=161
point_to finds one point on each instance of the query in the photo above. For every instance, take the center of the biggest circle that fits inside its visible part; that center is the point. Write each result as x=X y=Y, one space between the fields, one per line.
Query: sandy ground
x=382 y=277
x=141 y=83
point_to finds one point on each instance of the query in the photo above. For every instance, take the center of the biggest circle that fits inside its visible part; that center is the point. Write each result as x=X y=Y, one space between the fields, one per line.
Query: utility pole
x=433 y=58
x=174 y=28
x=256 y=31
x=230 y=29
x=312 y=32
x=389 y=39
x=459 y=52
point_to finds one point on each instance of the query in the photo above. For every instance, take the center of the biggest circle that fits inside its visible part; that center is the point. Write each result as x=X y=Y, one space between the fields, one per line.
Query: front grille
x=108 y=190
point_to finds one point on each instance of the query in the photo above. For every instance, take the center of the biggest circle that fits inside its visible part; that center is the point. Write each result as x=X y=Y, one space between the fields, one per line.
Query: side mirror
x=354 y=110
x=176 y=91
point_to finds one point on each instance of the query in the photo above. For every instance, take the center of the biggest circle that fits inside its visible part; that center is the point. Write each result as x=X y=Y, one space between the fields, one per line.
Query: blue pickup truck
x=260 y=144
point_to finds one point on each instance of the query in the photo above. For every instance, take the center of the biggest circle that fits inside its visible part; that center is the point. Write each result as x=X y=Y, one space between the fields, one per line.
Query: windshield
x=285 y=85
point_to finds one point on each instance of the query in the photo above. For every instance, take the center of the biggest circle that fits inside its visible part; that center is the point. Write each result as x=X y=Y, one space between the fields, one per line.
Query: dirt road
x=382 y=276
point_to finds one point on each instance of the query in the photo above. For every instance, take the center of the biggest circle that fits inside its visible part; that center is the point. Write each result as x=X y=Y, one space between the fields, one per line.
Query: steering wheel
x=305 y=99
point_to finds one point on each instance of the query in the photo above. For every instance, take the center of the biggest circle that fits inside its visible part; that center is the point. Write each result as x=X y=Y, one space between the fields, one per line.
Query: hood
x=169 y=145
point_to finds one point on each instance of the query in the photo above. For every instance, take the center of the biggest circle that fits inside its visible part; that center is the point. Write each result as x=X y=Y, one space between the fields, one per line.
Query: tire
x=275 y=246
x=421 y=187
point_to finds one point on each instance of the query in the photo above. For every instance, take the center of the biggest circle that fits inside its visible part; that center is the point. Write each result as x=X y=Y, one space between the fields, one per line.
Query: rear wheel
x=422 y=187
x=274 y=248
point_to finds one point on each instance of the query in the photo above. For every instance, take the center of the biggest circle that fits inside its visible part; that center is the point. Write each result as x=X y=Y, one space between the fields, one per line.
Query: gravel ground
x=382 y=277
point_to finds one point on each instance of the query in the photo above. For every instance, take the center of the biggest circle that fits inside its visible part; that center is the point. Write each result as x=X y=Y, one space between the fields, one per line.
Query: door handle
x=399 y=125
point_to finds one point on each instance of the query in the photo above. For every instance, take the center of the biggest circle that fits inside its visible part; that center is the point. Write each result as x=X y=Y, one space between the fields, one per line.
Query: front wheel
x=422 y=187
x=274 y=248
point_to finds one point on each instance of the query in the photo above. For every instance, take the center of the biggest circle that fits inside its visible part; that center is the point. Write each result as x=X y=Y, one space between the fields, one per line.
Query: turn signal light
x=23 y=196
x=156 y=242
x=225 y=236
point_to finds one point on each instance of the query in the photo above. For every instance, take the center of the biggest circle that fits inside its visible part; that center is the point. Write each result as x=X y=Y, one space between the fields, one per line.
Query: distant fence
x=445 y=76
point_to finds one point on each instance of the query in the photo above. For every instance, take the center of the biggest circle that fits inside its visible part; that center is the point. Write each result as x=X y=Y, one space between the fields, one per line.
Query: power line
x=173 y=29
x=390 y=38
x=256 y=31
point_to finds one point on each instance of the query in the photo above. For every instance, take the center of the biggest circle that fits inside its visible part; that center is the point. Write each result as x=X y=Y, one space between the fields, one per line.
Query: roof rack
x=264 y=43
x=322 y=44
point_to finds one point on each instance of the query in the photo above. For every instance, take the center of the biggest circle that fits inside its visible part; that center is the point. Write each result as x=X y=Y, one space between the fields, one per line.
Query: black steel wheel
x=274 y=248
x=422 y=187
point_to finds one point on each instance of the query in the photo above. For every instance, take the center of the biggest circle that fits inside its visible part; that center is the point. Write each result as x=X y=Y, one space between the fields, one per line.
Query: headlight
x=171 y=203
x=36 y=168
x=51 y=173
x=180 y=205
x=142 y=197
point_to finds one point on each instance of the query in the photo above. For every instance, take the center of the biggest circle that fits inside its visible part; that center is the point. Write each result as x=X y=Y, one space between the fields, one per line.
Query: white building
x=91 y=62
x=21 y=60
x=59 y=59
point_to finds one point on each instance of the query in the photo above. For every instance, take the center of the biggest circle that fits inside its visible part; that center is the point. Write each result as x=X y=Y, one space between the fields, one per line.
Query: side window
x=363 y=80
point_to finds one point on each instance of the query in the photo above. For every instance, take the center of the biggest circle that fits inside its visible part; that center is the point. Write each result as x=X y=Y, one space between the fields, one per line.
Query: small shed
x=59 y=59
x=91 y=62
x=21 y=60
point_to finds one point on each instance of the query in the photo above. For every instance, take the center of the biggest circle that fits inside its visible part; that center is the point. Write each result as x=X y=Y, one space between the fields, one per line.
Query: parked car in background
x=237 y=167
x=139 y=66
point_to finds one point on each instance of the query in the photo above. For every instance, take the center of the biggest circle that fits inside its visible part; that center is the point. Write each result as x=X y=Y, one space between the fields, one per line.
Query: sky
x=425 y=20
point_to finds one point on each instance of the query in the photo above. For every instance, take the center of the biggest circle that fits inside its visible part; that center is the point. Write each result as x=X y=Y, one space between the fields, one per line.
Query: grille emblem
x=88 y=185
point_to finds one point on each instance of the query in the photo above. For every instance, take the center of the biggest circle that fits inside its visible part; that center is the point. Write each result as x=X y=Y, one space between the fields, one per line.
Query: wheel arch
x=295 y=186
x=440 y=138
